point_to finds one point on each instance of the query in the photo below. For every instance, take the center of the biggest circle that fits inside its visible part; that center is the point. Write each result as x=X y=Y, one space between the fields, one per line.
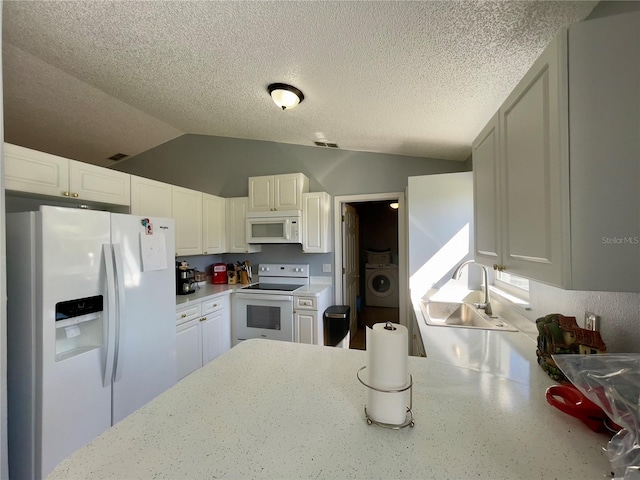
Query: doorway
x=370 y=259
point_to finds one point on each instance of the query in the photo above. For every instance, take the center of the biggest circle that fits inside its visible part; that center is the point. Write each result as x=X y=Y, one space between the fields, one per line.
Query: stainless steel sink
x=461 y=315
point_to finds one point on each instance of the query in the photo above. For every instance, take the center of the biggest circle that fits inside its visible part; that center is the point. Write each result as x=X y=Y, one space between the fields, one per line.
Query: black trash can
x=336 y=324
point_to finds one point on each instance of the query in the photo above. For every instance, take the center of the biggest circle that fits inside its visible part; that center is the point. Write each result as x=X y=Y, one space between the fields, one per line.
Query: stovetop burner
x=273 y=286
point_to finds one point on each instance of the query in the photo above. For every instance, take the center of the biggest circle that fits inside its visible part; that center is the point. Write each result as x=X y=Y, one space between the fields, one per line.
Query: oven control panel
x=284 y=270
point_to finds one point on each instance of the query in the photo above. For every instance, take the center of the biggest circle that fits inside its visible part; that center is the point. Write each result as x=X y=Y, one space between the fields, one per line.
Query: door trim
x=403 y=266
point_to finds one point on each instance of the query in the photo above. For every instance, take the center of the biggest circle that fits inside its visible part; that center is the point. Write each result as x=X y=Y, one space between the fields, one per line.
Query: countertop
x=210 y=290
x=268 y=409
x=206 y=290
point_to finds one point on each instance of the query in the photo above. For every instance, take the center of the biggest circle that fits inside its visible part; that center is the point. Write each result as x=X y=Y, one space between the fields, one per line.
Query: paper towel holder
x=408 y=422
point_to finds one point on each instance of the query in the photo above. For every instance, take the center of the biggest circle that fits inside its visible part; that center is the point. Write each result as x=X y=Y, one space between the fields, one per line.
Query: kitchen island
x=269 y=409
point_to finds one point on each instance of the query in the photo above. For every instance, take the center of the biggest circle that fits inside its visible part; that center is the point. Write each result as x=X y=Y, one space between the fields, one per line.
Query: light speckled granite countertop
x=269 y=409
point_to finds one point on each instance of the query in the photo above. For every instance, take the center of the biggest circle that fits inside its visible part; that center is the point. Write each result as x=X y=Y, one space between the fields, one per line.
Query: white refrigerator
x=91 y=327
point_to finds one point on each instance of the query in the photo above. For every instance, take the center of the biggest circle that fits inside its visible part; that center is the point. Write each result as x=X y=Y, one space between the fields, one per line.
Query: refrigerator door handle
x=111 y=314
x=119 y=271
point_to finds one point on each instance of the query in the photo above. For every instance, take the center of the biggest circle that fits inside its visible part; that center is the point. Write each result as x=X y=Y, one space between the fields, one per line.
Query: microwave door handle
x=287 y=229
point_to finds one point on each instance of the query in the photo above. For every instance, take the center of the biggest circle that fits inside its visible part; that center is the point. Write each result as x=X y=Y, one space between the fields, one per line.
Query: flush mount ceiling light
x=394 y=205
x=285 y=96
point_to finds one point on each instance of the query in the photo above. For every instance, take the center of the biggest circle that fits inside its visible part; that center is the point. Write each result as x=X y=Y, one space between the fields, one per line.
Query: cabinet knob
x=215 y=305
x=75 y=195
x=205 y=253
x=183 y=315
x=66 y=194
x=499 y=268
x=202 y=319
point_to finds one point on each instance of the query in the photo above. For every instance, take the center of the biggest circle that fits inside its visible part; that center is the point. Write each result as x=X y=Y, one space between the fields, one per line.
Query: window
x=512 y=284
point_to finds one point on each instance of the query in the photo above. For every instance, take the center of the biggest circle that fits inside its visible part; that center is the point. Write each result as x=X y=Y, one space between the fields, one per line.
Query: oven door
x=261 y=315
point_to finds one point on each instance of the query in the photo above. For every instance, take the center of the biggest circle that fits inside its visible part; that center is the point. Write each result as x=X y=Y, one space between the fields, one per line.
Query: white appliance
x=265 y=309
x=382 y=285
x=91 y=327
x=274 y=227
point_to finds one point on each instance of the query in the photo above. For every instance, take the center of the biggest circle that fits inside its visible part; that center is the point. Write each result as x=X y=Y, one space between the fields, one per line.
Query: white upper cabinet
x=556 y=174
x=277 y=192
x=236 y=226
x=27 y=170
x=213 y=224
x=187 y=213
x=200 y=222
x=36 y=172
x=316 y=222
x=532 y=135
x=97 y=184
x=486 y=190
x=150 y=198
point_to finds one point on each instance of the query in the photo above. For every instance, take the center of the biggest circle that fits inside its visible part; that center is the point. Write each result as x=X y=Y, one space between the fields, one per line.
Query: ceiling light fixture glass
x=285 y=96
x=394 y=205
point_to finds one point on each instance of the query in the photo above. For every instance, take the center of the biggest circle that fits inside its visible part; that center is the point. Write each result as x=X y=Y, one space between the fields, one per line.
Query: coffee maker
x=185 y=283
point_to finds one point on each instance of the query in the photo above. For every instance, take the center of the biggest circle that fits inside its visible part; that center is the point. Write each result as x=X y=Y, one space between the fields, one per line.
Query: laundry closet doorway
x=370 y=259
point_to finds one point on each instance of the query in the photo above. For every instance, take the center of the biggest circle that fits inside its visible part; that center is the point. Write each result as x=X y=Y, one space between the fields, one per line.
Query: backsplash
x=619 y=312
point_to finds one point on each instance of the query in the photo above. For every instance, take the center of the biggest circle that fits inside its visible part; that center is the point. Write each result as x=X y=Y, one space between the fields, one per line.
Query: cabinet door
x=188 y=348
x=261 y=194
x=532 y=135
x=216 y=335
x=315 y=222
x=304 y=326
x=97 y=184
x=150 y=198
x=187 y=213
x=288 y=190
x=27 y=170
x=486 y=195
x=213 y=224
x=236 y=227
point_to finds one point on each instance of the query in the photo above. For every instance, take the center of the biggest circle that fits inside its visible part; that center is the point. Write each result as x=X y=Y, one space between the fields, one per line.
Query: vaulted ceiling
x=88 y=79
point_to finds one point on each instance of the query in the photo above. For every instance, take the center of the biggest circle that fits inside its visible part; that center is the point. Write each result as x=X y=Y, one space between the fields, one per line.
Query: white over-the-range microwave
x=274 y=227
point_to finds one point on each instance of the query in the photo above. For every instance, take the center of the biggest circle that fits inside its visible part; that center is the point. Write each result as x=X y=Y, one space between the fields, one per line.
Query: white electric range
x=265 y=309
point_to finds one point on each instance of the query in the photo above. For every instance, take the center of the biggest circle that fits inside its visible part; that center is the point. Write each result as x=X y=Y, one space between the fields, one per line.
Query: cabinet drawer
x=185 y=314
x=214 y=304
x=306 y=303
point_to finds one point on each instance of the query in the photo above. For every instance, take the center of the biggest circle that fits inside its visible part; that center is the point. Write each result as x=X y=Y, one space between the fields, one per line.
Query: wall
x=613 y=7
x=221 y=166
x=440 y=230
x=4 y=469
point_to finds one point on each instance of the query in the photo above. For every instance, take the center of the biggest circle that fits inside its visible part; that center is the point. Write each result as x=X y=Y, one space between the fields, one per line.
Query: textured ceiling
x=88 y=79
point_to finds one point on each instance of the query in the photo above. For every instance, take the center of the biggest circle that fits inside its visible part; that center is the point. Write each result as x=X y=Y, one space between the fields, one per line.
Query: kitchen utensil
x=571 y=401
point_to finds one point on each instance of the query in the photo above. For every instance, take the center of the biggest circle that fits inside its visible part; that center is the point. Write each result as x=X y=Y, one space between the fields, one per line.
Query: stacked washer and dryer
x=381 y=278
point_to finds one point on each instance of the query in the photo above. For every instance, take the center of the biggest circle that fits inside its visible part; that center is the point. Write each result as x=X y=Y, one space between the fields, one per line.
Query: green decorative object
x=558 y=334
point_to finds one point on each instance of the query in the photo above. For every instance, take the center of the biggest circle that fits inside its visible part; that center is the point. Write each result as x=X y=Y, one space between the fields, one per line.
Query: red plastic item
x=219 y=273
x=571 y=401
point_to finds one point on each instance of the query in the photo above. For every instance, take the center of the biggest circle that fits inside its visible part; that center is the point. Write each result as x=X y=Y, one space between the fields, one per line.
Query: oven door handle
x=259 y=297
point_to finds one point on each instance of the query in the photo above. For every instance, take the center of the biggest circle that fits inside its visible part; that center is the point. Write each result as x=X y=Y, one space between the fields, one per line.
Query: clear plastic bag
x=612 y=381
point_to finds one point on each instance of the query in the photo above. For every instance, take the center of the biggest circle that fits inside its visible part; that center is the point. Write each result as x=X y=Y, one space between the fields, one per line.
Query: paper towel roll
x=387 y=353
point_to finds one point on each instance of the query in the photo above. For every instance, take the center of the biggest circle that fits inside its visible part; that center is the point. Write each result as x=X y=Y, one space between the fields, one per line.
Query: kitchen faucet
x=486 y=306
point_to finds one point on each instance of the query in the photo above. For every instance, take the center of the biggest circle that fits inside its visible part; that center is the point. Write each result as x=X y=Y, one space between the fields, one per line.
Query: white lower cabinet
x=305 y=327
x=216 y=328
x=188 y=348
x=202 y=334
x=308 y=311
